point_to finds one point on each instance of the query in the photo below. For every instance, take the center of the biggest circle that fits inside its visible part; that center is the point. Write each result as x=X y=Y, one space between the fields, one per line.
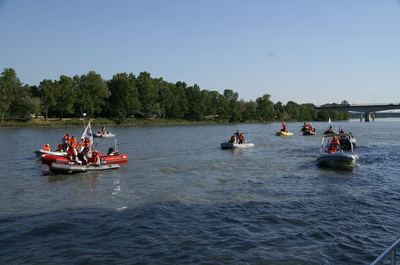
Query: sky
x=308 y=51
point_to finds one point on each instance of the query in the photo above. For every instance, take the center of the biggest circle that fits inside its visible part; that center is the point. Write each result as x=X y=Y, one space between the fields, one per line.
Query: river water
x=182 y=200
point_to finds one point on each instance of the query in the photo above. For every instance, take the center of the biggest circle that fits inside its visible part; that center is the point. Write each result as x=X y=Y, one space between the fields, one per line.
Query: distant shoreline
x=56 y=122
x=102 y=122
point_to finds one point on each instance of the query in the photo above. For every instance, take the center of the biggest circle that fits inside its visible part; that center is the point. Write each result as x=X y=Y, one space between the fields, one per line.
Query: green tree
x=92 y=94
x=279 y=111
x=196 y=103
x=307 y=112
x=211 y=103
x=292 y=110
x=265 y=108
x=164 y=96
x=148 y=94
x=250 y=111
x=25 y=104
x=124 y=99
x=65 y=95
x=9 y=91
x=177 y=106
x=231 y=105
x=48 y=92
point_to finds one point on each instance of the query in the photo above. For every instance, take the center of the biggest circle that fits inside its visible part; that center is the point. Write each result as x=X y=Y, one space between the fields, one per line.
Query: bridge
x=366 y=109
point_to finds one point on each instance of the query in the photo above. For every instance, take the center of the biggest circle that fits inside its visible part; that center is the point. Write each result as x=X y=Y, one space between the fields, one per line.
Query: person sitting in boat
x=46 y=147
x=304 y=127
x=66 y=138
x=112 y=152
x=95 y=158
x=241 y=138
x=102 y=130
x=59 y=148
x=80 y=145
x=233 y=139
x=330 y=130
x=334 y=145
x=72 y=155
x=85 y=154
x=87 y=142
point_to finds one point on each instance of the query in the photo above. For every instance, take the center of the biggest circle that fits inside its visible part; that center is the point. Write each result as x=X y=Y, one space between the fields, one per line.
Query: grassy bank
x=103 y=121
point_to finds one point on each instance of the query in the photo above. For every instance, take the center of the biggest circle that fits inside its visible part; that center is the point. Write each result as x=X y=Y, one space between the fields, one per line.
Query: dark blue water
x=182 y=200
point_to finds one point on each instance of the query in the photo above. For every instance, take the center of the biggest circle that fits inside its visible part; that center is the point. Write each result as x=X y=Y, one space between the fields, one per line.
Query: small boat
x=60 y=168
x=308 y=129
x=104 y=135
x=109 y=159
x=284 y=134
x=337 y=159
x=228 y=145
x=308 y=132
x=53 y=153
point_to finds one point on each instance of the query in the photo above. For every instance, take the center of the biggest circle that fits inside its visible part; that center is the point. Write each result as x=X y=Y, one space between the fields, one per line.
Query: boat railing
x=391 y=251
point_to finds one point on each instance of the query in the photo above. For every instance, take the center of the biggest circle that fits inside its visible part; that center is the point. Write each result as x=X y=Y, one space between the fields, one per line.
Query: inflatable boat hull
x=236 y=146
x=337 y=160
x=60 y=168
x=104 y=135
x=53 y=153
x=284 y=134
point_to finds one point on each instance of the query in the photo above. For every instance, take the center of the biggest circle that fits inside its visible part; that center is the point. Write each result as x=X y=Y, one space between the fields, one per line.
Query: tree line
x=127 y=96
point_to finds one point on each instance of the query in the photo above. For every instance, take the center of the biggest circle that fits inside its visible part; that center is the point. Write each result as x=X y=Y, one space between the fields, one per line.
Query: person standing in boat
x=73 y=142
x=65 y=142
x=241 y=138
x=237 y=134
x=283 y=129
x=73 y=155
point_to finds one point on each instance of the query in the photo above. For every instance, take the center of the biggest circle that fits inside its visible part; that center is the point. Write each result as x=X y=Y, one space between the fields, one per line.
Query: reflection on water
x=187 y=201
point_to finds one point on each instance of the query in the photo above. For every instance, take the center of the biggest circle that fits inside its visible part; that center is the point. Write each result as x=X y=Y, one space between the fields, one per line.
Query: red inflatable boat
x=109 y=159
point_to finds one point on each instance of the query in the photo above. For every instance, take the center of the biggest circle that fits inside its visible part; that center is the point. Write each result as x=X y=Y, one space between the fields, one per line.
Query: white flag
x=87 y=133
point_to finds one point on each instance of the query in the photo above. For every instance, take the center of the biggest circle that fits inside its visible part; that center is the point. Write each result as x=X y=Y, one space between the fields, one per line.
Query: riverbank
x=103 y=121
x=56 y=122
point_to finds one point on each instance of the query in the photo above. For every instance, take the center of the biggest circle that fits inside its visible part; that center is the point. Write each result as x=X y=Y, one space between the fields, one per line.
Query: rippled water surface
x=182 y=200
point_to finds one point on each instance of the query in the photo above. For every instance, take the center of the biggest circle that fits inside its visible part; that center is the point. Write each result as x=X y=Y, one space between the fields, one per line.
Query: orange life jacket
x=333 y=146
x=46 y=147
x=96 y=158
x=72 y=142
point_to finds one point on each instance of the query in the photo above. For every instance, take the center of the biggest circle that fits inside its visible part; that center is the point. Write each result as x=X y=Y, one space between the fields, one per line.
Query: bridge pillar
x=373 y=116
x=360 y=116
x=366 y=114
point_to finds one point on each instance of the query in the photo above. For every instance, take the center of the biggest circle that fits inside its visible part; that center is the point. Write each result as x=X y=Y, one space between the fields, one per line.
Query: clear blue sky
x=307 y=51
